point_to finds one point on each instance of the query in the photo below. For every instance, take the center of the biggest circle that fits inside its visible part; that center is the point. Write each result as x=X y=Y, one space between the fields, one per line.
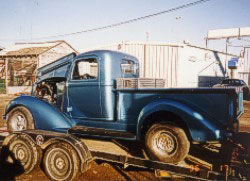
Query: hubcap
x=165 y=142
x=60 y=163
x=19 y=122
x=21 y=154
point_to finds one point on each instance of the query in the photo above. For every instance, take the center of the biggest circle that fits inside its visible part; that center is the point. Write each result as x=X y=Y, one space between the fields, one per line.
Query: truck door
x=84 y=89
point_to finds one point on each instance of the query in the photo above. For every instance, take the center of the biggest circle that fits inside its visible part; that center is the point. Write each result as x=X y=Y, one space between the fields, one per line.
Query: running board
x=82 y=130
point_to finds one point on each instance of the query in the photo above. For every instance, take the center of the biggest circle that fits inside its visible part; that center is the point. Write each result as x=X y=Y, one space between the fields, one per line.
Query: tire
x=61 y=162
x=19 y=118
x=166 y=143
x=25 y=151
x=245 y=93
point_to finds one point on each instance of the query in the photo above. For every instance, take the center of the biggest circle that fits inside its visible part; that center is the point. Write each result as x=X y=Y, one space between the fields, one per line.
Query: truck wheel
x=166 y=143
x=61 y=162
x=23 y=150
x=19 y=119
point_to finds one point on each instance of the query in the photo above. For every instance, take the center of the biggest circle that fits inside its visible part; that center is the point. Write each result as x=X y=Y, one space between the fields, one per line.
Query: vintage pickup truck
x=100 y=94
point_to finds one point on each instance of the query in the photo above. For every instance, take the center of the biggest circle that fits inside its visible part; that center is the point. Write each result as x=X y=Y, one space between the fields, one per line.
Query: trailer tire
x=25 y=151
x=61 y=162
x=20 y=118
x=166 y=143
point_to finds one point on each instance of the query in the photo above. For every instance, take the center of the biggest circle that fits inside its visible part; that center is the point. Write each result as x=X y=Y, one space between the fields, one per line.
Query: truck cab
x=90 y=94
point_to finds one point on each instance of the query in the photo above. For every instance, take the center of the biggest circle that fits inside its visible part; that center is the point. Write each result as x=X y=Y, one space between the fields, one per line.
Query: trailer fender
x=45 y=115
x=200 y=127
x=81 y=149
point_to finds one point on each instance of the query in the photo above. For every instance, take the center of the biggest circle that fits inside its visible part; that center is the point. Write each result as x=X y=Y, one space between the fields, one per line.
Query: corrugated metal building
x=18 y=64
x=244 y=72
x=182 y=65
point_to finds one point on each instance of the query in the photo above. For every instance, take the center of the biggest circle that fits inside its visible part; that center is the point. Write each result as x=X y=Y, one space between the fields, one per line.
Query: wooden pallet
x=139 y=83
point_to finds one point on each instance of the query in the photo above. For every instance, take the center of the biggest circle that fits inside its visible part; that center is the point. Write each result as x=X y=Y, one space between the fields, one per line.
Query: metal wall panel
x=156 y=60
x=179 y=65
x=245 y=75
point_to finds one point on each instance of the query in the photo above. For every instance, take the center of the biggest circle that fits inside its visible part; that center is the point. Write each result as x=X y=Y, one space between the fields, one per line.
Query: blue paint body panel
x=46 y=116
x=208 y=113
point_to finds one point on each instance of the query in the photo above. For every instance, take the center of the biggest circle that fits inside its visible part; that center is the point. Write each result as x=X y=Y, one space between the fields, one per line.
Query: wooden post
x=6 y=75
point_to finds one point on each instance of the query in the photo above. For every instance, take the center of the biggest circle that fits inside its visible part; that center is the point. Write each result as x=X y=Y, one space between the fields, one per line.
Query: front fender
x=45 y=115
x=200 y=126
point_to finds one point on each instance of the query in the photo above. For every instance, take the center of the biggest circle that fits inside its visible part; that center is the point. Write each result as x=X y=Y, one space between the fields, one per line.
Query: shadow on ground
x=10 y=167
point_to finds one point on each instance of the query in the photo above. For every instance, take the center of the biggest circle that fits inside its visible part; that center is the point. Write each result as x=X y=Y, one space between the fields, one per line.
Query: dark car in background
x=235 y=83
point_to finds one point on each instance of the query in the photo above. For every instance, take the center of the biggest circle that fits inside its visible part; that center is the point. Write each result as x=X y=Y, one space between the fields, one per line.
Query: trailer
x=65 y=157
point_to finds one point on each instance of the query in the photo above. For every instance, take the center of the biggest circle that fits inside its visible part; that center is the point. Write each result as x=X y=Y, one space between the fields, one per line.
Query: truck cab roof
x=109 y=54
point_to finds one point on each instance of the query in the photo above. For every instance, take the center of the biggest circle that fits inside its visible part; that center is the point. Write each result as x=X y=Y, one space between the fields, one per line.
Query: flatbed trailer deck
x=89 y=149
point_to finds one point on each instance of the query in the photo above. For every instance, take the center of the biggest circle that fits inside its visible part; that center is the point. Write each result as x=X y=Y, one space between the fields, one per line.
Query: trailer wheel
x=20 y=118
x=166 y=143
x=25 y=150
x=61 y=162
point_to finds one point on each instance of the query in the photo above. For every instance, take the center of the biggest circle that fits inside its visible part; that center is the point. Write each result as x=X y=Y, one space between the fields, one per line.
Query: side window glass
x=85 y=69
x=129 y=67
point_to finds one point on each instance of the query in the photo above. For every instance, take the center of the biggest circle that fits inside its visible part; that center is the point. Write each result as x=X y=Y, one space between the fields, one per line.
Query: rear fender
x=45 y=115
x=201 y=128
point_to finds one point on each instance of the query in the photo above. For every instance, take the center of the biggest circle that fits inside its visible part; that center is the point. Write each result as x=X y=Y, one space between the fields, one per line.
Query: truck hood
x=57 y=69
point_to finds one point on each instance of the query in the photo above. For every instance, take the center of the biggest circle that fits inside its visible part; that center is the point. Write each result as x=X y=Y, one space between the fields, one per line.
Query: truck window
x=85 y=69
x=129 y=67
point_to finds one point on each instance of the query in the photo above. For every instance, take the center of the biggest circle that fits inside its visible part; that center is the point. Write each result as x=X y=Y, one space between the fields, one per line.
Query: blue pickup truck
x=99 y=94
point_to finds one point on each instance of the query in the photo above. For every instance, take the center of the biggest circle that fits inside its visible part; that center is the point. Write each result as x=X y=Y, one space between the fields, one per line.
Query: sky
x=28 y=20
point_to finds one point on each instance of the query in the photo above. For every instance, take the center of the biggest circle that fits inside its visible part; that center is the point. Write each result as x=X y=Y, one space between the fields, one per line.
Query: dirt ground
x=106 y=171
